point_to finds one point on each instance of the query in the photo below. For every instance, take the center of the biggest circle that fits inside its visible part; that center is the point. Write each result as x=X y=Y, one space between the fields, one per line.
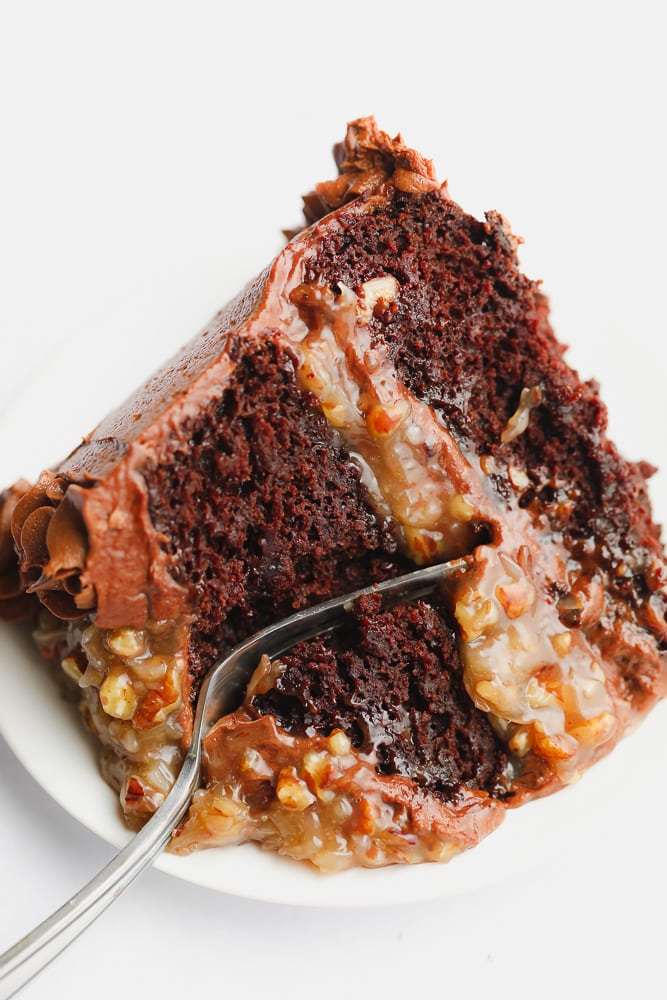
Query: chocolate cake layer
x=468 y=334
x=261 y=510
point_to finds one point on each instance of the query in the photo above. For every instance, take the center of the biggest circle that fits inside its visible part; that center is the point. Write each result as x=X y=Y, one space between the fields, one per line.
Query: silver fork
x=221 y=692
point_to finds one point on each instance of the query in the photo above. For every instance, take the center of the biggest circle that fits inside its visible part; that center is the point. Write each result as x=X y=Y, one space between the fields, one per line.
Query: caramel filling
x=541 y=683
x=411 y=465
x=133 y=687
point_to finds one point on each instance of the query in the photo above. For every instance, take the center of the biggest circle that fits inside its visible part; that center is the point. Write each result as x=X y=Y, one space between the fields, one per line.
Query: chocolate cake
x=388 y=393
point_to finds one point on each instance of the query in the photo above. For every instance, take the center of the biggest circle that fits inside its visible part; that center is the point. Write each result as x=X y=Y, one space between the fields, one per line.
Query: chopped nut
x=126 y=642
x=117 y=696
x=382 y=289
x=337 y=413
x=339 y=743
x=120 y=698
x=252 y=762
x=538 y=696
x=384 y=419
x=656 y=575
x=499 y=697
x=521 y=640
x=91 y=677
x=562 y=643
x=317 y=768
x=655 y=613
x=518 y=477
x=133 y=795
x=150 y=668
x=365 y=818
x=558 y=746
x=524 y=560
x=564 y=510
x=488 y=465
x=518 y=422
x=516 y=597
x=159 y=703
x=490 y=693
x=425 y=546
x=521 y=742
x=591 y=594
x=225 y=818
x=292 y=792
x=595 y=731
x=475 y=614
x=72 y=669
x=461 y=508
x=123 y=733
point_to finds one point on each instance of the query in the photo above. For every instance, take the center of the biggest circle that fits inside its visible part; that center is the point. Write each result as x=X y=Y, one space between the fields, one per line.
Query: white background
x=162 y=147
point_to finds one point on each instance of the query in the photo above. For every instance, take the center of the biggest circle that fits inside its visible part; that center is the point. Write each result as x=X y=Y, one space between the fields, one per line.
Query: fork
x=221 y=692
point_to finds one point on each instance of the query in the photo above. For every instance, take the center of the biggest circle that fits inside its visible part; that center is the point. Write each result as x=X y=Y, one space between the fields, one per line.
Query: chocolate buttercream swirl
x=51 y=543
x=367 y=159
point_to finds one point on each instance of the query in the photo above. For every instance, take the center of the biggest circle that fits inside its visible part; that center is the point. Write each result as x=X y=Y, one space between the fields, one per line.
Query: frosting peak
x=51 y=543
x=366 y=159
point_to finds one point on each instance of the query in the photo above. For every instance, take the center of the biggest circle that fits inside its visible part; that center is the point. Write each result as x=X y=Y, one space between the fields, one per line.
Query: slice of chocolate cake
x=388 y=393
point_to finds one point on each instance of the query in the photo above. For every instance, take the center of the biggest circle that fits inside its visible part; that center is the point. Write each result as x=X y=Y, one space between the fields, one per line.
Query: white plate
x=47 y=737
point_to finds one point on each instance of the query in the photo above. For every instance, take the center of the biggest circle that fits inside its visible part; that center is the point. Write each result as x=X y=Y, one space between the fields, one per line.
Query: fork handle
x=32 y=953
x=216 y=697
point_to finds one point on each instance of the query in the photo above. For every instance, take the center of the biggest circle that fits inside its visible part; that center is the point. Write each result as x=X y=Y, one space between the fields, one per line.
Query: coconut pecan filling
x=317 y=798
x=132 y=687
x=541 y=682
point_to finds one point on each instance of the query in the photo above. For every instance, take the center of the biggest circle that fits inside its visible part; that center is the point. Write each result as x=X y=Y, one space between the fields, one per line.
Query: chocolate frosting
x=81 y=538
x=51 y=541
x=367 y=160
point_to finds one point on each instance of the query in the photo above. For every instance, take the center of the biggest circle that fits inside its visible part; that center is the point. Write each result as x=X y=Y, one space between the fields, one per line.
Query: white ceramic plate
x=45 y=734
